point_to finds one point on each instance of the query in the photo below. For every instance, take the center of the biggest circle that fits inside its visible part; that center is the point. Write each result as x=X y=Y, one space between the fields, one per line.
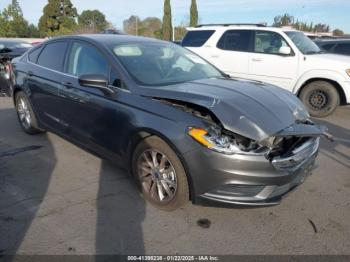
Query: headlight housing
x=214 y=139
x=348 y=71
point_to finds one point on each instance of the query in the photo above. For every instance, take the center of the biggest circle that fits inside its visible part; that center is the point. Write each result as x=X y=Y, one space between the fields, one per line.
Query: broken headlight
x=214 y=139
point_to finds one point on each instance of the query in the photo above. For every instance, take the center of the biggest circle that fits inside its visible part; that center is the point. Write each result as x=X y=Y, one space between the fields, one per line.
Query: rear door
x=44 y=78
x=267 y=65
x=232 y=52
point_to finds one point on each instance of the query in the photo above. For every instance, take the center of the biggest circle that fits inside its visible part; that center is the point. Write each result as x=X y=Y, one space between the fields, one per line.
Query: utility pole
x=173 y=15
x=136 y=26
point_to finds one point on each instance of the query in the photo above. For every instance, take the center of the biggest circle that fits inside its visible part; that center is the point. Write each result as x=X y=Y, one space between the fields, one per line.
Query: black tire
x=321 y=98
x=30 y=125
x=180 y=195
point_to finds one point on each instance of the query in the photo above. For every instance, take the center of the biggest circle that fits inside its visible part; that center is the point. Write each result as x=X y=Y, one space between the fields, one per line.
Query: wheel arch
x=144 y=133
x=337 y=86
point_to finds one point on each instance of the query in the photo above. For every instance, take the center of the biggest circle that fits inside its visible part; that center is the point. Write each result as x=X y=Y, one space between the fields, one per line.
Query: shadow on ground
x=333 y=150
x=27 y=165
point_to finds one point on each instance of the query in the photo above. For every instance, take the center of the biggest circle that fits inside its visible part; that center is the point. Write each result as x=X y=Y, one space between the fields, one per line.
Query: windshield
x=304 y=44
x=160 y=64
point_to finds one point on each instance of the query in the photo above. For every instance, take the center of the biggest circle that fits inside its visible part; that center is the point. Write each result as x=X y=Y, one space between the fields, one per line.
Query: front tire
x=320 y=97
x=160 y=174
x=26 y=115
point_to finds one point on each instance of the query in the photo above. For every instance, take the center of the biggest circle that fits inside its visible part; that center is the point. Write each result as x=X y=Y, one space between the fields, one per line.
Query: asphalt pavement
x=58 y=199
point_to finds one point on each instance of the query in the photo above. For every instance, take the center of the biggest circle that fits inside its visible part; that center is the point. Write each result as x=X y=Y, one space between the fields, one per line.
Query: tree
x=93 y=19
x=167 y=29
x=150 y=26
x=16 y=8
x=132 y=25
x=338 y=32
x=284 y=20
x=58 y=18
x=13 y=24
x=193 y=14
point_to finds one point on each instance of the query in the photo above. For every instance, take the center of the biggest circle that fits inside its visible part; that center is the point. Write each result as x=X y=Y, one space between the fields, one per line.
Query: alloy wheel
x=24 y=113
x=157 y=176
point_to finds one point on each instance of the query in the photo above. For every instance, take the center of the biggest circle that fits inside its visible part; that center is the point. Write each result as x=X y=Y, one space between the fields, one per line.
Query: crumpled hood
x=248 y=108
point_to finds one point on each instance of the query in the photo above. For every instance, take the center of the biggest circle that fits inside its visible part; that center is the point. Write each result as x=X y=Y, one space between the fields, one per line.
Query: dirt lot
x=58 y=199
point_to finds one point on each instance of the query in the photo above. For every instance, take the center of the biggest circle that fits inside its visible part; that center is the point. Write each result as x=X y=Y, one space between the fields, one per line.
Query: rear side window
x=33 y=55
x=197 y=38
x=343 y=49
x=52 y=56
x=236 y=40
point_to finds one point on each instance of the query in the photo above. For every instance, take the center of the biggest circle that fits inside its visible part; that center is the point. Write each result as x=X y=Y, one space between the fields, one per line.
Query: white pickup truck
x=279 y=56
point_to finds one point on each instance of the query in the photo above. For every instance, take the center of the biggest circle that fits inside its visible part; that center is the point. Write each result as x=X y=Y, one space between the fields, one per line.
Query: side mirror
x=96 y=81
x=285 y=50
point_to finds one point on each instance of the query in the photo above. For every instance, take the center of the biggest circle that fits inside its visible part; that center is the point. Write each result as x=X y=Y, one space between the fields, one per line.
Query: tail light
x=8 y=71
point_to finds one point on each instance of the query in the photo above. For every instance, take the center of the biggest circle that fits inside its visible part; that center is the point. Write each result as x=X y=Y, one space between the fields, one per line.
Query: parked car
x=9 y=49
x=182 y=127
x=13 y=47
x=279 y=56
x=336 y=46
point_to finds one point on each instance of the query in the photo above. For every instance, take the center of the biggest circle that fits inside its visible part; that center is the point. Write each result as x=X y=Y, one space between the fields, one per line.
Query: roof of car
x=338 y=40
x=225 y=27
x=11 y=40
x=110 y=38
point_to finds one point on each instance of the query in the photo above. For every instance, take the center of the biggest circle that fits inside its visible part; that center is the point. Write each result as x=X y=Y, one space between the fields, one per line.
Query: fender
x=319 y=74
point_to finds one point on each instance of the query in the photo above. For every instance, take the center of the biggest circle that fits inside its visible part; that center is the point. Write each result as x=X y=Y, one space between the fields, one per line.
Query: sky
x=336 y=13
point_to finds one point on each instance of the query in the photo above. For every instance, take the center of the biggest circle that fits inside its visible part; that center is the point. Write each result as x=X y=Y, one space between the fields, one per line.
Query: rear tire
x=321 y=98
x=160 y=174
x=25 y=114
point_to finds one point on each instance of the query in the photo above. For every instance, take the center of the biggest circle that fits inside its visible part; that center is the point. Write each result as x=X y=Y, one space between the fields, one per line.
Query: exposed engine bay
x=225 y=141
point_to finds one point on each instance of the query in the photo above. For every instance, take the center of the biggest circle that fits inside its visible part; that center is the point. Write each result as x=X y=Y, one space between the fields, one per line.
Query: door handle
x=68 y=85
x=256 y=59
x=215 y=56
x=30 y=73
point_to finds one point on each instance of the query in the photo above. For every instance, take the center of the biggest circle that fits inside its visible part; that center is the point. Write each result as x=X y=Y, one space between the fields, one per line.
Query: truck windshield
x=304 y=44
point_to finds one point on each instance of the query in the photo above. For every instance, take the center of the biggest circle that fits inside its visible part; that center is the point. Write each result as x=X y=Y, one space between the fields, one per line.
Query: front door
x=90 y=114
x=268 y=65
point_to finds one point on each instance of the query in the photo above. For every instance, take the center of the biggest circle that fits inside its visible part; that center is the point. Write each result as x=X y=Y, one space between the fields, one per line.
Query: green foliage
x=338 y=32
x=12 y=22
x=167 y=29
x=180 y=32
x=58 y=18
x=284 y=20
x=149 y=27
x=193 y=14
x=92 y=19
x=288 y=20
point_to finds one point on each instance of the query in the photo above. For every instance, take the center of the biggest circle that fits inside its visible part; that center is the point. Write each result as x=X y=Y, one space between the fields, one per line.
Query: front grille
x=297 y=156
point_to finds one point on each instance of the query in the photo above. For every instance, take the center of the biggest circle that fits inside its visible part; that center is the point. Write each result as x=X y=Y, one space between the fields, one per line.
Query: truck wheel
x=320 y=97
x=160 y=174
x=26 y=115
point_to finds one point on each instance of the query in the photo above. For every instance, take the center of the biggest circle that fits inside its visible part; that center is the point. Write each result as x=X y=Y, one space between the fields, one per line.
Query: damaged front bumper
x=249 y=179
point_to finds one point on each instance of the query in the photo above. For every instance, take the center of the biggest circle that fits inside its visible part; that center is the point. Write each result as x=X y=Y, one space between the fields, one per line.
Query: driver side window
x=268 y=42
x=85 y=59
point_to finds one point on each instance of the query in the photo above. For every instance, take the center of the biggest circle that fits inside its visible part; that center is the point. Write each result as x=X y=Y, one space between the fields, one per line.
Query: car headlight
x=348 y=71
x=214 y=139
